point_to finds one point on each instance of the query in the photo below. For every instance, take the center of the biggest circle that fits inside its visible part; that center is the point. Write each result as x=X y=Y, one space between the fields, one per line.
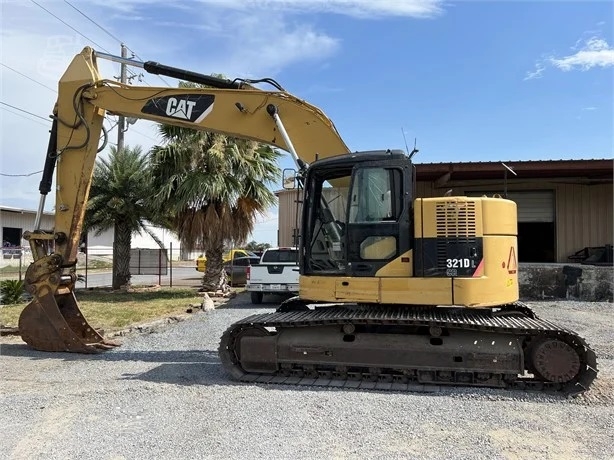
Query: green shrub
x=11 y=291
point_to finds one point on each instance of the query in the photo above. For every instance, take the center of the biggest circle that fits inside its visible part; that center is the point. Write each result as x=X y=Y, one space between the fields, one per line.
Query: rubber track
x=526 y=325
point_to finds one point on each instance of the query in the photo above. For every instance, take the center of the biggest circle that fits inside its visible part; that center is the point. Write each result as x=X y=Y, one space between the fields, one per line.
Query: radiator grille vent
x=456 y=219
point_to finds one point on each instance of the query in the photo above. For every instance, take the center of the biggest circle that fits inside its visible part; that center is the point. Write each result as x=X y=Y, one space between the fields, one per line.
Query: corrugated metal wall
x=426 y=189
x=24 y=221
x=583 y=217
x=532 y=206
x=287 y=215
x=583 y=212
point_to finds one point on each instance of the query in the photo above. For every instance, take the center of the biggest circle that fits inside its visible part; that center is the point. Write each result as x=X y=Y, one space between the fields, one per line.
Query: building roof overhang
x=541 y=169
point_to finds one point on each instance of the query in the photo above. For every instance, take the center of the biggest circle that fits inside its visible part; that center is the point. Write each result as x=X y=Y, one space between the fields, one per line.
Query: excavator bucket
x=55 y=323
x=52 y=321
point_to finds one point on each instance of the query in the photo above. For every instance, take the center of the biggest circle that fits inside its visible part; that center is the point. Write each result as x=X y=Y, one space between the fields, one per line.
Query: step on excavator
x=396 y=291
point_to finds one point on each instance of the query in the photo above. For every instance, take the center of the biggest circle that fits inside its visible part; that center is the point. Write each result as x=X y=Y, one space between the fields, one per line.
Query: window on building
x=11 y=236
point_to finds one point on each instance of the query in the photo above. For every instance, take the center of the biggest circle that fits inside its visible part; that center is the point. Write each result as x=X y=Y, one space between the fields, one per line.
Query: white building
x=14 y=222
x=102 y=245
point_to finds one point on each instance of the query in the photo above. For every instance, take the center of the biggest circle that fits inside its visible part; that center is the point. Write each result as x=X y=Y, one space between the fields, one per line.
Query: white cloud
x=583 y=110
x=264 y=44
x=358 y=8
x=589 y=53
x=537 y=73
x=596 y=52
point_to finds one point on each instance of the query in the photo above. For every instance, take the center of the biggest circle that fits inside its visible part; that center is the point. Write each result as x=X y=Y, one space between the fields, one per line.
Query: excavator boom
x=52 y=321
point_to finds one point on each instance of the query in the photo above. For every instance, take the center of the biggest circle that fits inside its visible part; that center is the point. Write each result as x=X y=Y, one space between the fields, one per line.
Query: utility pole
x=121 y=121
x=121 y=127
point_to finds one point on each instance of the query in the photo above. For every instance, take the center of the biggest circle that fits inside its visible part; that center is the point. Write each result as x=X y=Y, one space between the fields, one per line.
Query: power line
x=29 y=78
x=92 y=21
x=24 y=111
x=48 y=119
x=69 y=26
x=114 y=37
x=72 y=28
x=43 y=118
x=24 y=117
x=21 y=175
x=144 y=135
x=89 y=39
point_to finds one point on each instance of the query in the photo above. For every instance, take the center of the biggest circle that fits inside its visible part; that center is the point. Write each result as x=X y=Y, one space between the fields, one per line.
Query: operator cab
x=357 y=213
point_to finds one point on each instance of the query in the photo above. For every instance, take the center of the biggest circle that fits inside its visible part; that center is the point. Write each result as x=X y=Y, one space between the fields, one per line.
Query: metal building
x=14 y=221
x=563 y=205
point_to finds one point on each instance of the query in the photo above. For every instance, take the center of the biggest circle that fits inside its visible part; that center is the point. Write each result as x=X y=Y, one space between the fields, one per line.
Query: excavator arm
x=52 y=321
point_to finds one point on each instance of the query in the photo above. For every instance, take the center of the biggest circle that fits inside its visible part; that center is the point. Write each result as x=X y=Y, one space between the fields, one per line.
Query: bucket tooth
x=55 y=323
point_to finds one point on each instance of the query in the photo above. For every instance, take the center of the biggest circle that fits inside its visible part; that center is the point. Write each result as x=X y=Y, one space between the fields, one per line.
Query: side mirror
x=289 y=179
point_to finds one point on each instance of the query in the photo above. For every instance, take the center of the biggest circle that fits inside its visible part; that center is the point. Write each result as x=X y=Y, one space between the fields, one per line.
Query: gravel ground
x=165 y=395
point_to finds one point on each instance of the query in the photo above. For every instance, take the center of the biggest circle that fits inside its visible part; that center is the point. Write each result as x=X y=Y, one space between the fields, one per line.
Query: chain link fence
x=147 y=266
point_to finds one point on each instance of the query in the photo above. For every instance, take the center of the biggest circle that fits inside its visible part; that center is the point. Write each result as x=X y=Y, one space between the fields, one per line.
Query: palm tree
x=120 y=198
x=214 y=186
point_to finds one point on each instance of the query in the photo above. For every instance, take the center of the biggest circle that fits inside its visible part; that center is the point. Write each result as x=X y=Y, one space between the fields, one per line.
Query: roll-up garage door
x=536 y=228
x=534 y=206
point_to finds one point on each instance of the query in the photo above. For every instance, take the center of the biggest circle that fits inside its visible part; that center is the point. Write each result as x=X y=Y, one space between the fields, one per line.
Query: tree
x=255 y=246
x=213 y=186
x=120 y=198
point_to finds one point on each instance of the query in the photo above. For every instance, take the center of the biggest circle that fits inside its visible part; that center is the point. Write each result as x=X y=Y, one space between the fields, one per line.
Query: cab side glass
x=372 y=196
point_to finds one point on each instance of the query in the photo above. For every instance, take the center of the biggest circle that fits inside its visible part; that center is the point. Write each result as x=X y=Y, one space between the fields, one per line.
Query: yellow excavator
x=395 y=291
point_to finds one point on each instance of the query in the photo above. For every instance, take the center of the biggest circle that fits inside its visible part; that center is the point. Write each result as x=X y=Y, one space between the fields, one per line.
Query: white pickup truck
x=277 y=273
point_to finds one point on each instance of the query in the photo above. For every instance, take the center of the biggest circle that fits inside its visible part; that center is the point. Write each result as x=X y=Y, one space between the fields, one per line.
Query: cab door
x=378 y=221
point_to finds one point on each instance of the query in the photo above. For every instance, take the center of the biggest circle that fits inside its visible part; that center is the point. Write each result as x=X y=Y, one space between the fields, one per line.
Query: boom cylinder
x=174 y=72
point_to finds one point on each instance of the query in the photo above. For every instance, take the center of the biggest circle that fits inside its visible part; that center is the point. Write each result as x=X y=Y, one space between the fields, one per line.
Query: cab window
x=372 y=198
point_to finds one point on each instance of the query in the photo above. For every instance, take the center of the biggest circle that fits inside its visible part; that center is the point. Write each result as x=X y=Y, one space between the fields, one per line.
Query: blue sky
x=473 y=81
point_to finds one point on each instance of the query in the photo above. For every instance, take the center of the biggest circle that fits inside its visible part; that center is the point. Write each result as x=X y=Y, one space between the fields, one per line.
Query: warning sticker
x=512 y=264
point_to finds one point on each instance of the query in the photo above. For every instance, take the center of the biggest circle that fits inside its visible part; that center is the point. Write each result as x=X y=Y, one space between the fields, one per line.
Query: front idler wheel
x=555 y=361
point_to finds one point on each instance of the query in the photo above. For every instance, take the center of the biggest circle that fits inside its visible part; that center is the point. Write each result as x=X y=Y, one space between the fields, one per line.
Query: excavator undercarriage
x=408 y=348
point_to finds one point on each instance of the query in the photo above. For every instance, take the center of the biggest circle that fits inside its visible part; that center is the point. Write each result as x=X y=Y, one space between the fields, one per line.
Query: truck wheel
x=257 y=298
